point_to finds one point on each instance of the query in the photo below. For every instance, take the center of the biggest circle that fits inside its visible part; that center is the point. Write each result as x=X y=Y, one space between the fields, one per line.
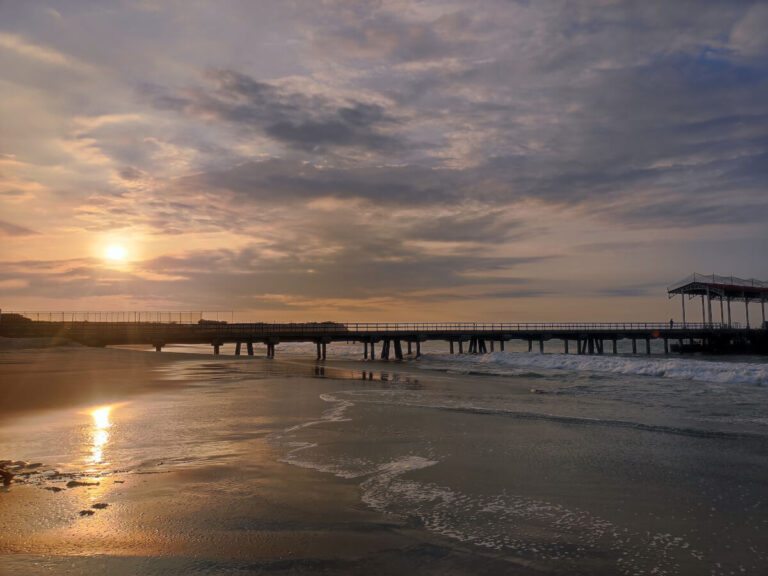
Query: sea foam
x=677 y=368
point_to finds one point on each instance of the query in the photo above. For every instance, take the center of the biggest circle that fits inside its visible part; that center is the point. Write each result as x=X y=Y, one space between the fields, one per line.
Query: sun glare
x=116 y=253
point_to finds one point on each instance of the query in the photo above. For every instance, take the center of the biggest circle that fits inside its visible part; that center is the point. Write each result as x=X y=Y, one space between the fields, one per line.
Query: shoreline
x=246 y=513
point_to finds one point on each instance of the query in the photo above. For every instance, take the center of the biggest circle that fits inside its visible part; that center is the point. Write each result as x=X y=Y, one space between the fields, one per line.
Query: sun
x=116 y=253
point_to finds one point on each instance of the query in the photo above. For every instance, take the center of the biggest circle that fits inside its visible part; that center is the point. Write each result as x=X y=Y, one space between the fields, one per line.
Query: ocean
x=524 y=462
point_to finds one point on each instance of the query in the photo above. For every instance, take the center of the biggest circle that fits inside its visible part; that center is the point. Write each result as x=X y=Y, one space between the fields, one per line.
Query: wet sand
x=246 y=514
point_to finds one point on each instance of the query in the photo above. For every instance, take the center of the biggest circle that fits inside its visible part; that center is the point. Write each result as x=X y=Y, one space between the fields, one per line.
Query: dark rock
x=54 y=488
x=87 y=512
x=76 y=483
x=100 y=505
x=6 y=476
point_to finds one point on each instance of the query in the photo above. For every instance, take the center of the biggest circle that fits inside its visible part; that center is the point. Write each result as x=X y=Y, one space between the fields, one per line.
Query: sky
x=370 y=161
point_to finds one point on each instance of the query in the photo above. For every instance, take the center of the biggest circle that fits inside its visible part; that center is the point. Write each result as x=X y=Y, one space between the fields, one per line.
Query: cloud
x=293 y=118
x=748 y=36
x=8 y=229
x=42 y=54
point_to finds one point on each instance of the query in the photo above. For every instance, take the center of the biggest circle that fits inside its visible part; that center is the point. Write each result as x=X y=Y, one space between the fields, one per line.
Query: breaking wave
x=502 y=363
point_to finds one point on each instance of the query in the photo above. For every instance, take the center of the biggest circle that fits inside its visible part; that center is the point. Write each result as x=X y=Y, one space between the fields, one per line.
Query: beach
x=507 y=463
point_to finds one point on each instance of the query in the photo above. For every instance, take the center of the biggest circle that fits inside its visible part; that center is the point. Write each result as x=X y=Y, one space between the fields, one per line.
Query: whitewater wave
x=504 y=363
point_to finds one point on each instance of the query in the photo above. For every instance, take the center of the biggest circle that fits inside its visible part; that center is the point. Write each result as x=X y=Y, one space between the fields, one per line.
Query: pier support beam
x=418 y=349
x=615 y=347
x=634 y=346
x=249 y=347
x=530 y=345
x=451 y=344
x=709 y=306
x=216 y=349
x=648 y=346
x=409 y=348
x=373 y=352
x=158 y=347
x=728 y=300
x=666 y=346
x=398 y=350
x=541 y=345
x=746 y=308
x=722 y=316
x=237 y=349
x=565 y=346
x=579 y=346
x=319 y=351
x=325 y=350
x=501 y=345
x=365 y=350
x=682 y=298
x=492 y=345
x=703 y=312
x=461 y=347
x=762 y=307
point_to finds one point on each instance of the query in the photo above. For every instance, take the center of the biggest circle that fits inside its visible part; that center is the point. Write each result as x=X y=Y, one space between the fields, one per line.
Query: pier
x=398 y=340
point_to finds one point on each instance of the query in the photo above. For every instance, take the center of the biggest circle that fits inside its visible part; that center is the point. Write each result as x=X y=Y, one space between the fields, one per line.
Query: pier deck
x=588 y=338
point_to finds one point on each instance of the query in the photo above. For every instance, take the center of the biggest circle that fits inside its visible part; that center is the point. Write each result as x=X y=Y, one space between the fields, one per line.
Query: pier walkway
x=388 y=340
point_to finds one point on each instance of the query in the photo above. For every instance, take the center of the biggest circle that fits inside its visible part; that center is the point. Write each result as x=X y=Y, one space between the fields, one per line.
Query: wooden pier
x=397 y=340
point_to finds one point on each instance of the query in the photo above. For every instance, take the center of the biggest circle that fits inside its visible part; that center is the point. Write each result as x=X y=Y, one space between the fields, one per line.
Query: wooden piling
x=615 y=346
x=409 y=348
x=365 y=350
x=249 y=347
x=325 y=350
x=450 y=342
x=398 y=350
x=648 y=346
x=319 y=351
x=501 y=345
x=418 y=349
x=565 y=346
x=237 y=349
x=216 y=349
x=634 y=346
x=541 y=345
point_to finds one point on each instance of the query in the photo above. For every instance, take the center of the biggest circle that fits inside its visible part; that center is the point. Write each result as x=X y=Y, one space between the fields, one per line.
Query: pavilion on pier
x=725 y=289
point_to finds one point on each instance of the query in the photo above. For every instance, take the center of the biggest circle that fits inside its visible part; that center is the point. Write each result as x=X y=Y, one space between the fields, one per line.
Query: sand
x=250 y=515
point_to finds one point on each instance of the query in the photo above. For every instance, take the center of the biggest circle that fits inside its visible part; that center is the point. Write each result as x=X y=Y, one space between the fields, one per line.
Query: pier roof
x=714 y=285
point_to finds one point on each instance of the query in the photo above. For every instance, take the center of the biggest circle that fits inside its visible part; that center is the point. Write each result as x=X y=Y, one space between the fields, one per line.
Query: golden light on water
x=100 y=433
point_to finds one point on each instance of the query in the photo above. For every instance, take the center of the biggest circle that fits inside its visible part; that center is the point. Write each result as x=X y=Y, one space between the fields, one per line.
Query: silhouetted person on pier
x=671 y=323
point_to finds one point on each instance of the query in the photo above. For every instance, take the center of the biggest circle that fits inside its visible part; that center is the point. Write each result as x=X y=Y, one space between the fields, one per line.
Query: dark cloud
x=8 y=229
x=294 y=118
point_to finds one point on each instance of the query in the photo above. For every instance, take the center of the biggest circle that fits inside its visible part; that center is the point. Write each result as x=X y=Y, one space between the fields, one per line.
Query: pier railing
x=220 y=322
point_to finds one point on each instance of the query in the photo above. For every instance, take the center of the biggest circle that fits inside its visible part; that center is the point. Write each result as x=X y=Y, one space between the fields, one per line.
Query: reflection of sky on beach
x=99 y=435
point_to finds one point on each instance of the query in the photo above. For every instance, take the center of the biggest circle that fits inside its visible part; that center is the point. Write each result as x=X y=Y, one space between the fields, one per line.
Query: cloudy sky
x=529 y=160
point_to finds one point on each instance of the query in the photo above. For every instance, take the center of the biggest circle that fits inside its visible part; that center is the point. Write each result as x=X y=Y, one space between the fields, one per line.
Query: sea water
x=566 y=463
